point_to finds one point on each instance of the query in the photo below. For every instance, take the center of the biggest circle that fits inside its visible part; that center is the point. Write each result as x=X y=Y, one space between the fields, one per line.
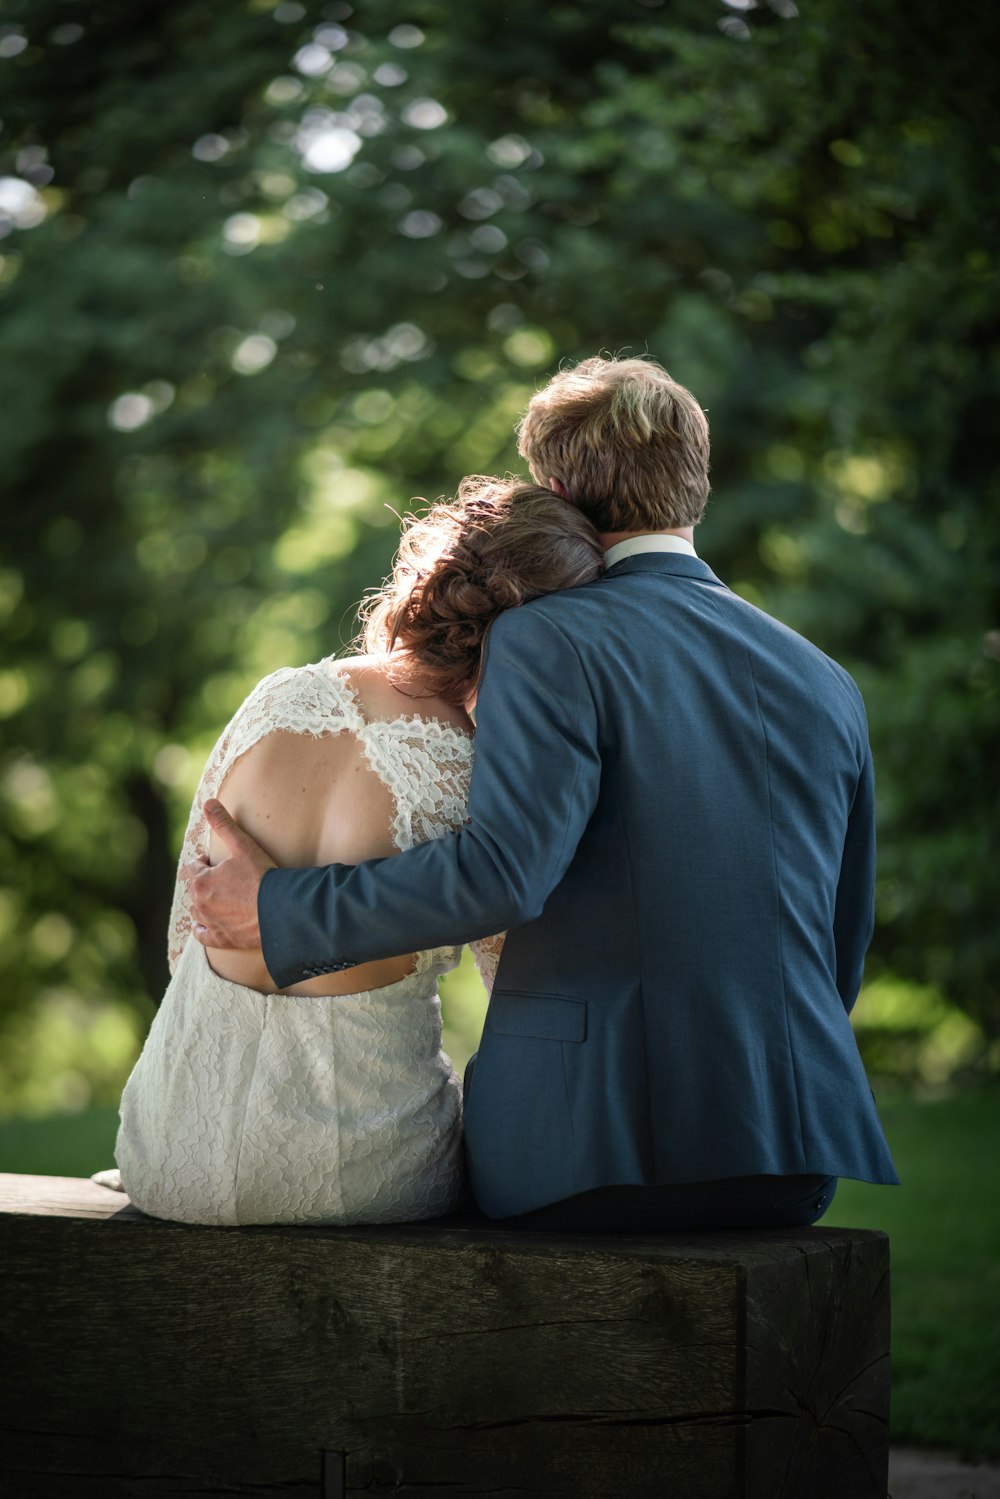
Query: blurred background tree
x=271 y=270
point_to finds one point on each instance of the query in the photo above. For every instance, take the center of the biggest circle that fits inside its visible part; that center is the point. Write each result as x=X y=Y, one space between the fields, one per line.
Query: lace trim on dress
x=486 y=952
x=426 y=765
x=427 y=773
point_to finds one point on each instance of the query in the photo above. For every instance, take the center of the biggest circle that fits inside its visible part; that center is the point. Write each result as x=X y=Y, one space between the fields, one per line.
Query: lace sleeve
x=427 y=765
x=299 y=700
x=486 y=952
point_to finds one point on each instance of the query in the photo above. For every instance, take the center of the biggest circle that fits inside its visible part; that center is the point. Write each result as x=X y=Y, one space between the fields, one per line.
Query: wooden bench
x=439 y=1360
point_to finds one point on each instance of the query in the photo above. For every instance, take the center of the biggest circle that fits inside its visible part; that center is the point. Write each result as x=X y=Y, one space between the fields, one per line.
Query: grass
x=943 y=1222
x=944 y=1228
x=59 y=1145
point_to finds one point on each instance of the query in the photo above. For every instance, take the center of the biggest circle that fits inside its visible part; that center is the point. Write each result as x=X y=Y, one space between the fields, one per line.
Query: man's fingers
x=192 y=870
x=209 y=937
x=232 y=835
x=224 y=897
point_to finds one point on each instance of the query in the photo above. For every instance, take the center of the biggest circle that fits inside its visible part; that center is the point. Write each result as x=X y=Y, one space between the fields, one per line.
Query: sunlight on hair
x=630 y=444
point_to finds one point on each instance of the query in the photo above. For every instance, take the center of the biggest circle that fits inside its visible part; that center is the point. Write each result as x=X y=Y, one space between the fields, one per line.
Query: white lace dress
x=257 y=1108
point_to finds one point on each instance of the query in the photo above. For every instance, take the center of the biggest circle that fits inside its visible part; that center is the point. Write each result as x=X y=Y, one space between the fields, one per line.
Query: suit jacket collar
x=679 y=563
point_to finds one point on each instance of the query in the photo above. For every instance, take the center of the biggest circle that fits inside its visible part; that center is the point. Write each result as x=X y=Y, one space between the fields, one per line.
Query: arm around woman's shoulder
x=534 y=788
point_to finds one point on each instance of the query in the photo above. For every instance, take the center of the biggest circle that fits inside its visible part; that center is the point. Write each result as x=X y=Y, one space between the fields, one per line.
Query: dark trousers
x=731 y=1203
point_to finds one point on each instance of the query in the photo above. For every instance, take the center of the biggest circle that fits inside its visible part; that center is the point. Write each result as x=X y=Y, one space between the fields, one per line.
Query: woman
x=333 y=1101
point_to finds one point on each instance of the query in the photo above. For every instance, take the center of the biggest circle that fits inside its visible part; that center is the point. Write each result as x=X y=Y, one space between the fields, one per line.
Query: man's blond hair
x=629 y=444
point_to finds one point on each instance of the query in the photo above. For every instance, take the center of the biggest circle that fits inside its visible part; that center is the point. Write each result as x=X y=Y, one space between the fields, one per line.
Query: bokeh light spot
x=529 y=347
x=424 y=114
x=390 y=75
x=508 y=151
x=241 y=232
x=130 y=411
x=210 y=148
x=420 y=224
x=254 y=353
x=406 y=36
x=328 y=150
x=313 y=60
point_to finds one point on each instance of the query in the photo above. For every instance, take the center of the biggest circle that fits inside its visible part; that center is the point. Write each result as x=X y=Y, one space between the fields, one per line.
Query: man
x=671 y=816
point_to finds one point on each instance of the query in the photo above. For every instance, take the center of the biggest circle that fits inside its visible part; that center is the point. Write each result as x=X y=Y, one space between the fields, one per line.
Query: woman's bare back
x=313 y=800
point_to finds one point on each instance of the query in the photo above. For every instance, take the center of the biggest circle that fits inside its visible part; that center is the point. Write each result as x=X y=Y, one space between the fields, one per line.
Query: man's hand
x=224 y=897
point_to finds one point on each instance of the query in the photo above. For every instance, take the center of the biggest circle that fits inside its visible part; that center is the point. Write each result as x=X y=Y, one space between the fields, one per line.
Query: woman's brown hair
x=497 y=544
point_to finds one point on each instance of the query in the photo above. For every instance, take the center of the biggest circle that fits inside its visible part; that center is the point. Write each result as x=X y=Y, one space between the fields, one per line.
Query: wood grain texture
x=445 y=1359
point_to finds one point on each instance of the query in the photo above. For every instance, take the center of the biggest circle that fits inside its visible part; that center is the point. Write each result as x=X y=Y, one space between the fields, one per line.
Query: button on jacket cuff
x=315 y=973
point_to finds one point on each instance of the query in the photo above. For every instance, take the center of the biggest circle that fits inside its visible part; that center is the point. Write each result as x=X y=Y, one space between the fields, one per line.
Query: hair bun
x=495 y=546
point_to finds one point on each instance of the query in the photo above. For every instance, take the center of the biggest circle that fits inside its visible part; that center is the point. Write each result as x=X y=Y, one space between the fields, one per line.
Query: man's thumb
x=229 y=831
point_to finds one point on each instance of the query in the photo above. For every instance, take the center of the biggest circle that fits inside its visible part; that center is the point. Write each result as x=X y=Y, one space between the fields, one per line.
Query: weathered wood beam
x=444 y=1359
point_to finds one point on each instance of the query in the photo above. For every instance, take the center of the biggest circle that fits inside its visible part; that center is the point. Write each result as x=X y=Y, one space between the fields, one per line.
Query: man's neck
x=609 y=539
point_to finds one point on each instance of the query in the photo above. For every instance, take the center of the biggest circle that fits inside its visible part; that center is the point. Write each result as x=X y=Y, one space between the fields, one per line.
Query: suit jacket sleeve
x=534 y=787
x=854 y=917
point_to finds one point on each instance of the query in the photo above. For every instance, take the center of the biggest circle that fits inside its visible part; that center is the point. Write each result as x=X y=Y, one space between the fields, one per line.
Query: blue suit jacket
x=671 y=815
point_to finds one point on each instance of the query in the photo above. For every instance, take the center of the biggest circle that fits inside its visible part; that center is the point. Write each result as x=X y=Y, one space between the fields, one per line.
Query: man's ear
x=558 y=487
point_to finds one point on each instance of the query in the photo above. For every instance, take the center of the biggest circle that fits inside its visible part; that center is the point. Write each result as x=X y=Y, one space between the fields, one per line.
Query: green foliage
x=463 y=1003
x=272 y=269
x=66 y=1053
x=909 y=1033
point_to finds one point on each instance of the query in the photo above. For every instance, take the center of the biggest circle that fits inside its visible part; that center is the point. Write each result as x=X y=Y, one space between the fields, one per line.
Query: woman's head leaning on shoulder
x=497 y=544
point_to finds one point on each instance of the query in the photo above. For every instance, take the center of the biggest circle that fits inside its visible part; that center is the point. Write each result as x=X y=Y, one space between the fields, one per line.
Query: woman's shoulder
x=312 y=698
x=382 y=698
x=351 y=693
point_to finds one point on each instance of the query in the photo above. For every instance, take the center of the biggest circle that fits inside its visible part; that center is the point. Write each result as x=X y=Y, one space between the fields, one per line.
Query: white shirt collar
x=654 y=542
